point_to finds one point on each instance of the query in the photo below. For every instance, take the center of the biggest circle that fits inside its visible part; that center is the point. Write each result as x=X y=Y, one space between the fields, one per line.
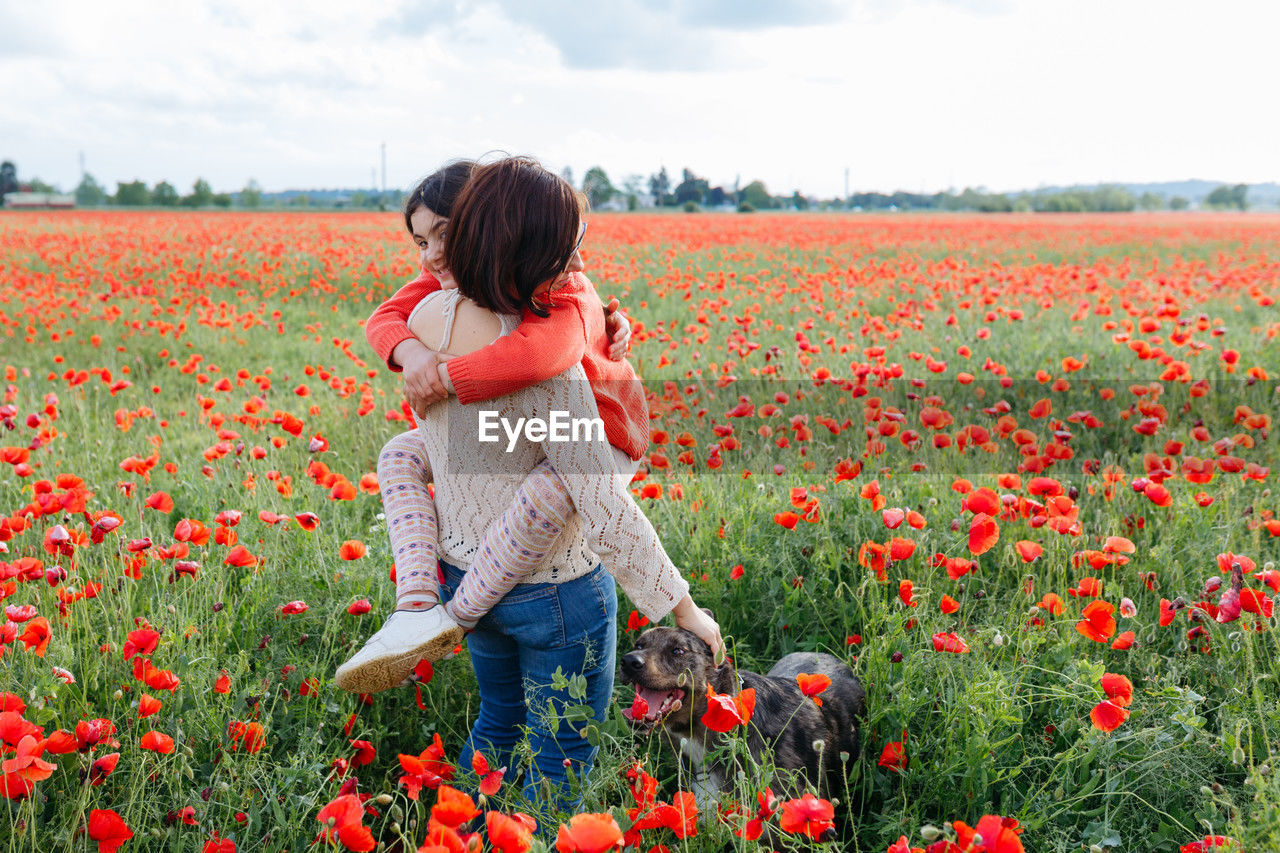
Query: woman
x=513 y=243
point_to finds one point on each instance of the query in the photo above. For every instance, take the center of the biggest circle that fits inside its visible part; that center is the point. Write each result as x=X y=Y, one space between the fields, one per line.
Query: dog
x=671 y=669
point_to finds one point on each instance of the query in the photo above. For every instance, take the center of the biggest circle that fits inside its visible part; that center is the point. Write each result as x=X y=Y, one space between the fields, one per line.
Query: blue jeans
x=515 y=648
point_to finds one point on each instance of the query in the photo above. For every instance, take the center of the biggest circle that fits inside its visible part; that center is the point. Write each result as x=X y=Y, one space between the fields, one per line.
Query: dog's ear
x=707 y=610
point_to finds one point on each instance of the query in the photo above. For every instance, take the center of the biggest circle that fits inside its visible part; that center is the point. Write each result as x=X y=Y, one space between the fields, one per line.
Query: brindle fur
x=785 y=720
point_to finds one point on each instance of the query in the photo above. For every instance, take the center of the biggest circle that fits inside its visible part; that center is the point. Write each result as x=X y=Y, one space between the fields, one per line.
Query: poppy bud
x=896 y=657
x=930 y=833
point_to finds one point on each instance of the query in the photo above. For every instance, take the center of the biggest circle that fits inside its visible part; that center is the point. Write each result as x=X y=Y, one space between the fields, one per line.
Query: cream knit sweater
x=475 y=482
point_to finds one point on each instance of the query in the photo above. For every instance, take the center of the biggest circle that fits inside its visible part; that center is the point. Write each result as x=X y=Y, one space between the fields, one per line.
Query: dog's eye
x=678 y=652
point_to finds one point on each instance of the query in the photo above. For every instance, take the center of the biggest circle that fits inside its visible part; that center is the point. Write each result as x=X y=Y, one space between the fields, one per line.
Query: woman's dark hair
x=514 y=227
x=438 y=191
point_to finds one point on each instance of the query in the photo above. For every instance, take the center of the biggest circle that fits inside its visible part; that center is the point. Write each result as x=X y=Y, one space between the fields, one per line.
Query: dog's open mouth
x=650 y=706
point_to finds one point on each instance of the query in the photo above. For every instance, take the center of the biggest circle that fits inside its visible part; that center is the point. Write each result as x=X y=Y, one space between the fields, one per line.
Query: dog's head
x=671 y=669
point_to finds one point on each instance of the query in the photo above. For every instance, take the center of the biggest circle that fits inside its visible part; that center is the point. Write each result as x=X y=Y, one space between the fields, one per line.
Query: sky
x=920 y=95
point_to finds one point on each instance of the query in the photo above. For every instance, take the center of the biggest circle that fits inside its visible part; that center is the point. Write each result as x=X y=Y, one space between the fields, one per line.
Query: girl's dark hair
x=514 y=227
x=438 y=191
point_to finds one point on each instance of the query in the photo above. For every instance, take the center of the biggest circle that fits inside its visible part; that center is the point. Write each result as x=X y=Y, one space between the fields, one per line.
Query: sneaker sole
x=383 y=673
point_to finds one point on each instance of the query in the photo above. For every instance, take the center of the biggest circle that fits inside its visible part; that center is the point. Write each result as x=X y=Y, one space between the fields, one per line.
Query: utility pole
x=82 y=172
x=384 y=168
x=846 y=184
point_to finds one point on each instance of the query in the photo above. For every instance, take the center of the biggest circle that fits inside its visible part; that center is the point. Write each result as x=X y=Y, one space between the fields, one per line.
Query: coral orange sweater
x=539 y=349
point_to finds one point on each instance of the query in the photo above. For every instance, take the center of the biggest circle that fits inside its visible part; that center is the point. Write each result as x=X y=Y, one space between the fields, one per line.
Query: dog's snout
x=632 y=662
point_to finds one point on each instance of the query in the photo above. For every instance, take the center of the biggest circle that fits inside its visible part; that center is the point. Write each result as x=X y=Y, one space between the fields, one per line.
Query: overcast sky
x=907 y=94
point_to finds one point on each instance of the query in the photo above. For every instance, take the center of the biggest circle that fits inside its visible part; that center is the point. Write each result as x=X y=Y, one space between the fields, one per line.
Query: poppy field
x=1017 y=471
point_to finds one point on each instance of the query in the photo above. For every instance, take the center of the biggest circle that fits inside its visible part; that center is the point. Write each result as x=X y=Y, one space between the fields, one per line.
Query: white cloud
x=920 y=94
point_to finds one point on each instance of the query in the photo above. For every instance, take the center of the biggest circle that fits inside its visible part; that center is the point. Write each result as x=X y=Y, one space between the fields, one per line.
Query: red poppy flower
x=157 y=742
x=143 y=641
x=36 y=636
x=999 y=835
x=510 y=834
x=240 y=557
x=983 y=534
x=1098 y=623
x=218 y=844
x=103 y=767
x=426 y=770
x=1028 y=551
x=725 y=712
x=589 y=833
x=352 y=549
x=153 y=677
x=808 y=815
x=250 y=735
x=307 y=520
x=893 y=756
x=982 y=501
x=1107 y=715
x=948 y=605
x=160 y=502
x=148 y=705
x=1088 y=587
x=680 y=816
x=341 y=822
x=1118 y=688
x=949 y=642
x=787 y=519
x=812 y=685
x=108 y=829
x=453 y=808
x=1124 y=641
x=901 y=549
x=25 y=768
x=490 y=780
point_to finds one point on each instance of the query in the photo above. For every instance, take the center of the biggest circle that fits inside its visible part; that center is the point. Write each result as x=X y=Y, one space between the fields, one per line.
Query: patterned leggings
x=515 y=543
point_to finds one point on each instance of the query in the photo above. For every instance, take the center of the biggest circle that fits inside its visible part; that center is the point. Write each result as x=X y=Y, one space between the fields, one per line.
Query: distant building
x=38 y=201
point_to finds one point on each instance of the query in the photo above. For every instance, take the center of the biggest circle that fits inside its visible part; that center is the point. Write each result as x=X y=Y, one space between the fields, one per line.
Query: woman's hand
x=422 y=383
x=619 y=329
x=700 y=622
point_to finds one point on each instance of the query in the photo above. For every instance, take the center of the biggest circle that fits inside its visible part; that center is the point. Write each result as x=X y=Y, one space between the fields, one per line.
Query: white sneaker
x=389 y=656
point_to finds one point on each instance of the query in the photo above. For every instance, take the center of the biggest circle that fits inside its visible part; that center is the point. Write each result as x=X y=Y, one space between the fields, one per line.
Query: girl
x=515 y=227
x=546 y=343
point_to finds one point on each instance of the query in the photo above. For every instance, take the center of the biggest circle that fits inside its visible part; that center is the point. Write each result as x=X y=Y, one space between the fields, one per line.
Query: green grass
x=1002 y=730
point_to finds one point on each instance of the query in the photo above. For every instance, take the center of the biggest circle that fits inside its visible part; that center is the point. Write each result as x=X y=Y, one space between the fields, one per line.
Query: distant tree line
x=692 y=193
x=89 y=193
